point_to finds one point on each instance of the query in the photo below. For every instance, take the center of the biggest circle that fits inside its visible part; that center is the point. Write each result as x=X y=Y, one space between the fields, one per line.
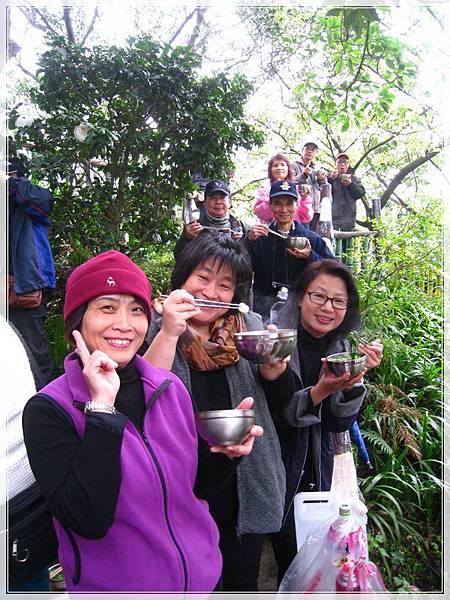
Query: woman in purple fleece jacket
x=113 y=446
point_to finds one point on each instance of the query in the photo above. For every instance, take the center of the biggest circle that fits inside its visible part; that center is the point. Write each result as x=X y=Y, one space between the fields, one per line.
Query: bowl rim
x=296 y=237
x=230 y=413
x=349 y=360
x=266 y=333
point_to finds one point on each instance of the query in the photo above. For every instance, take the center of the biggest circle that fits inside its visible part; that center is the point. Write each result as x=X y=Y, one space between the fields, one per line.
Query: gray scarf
x=215 y=222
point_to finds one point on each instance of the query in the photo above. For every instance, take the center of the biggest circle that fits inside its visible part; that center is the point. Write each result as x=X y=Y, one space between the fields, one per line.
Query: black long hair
x=223 y=251
x=331 y=266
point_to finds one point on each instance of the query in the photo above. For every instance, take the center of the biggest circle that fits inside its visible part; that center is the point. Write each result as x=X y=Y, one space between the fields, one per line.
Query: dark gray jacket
x=299 y=167
x=301 y=424
x=344 y=202
x=261 y=481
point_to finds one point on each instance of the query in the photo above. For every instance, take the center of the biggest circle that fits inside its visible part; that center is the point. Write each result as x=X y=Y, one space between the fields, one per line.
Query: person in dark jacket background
x=315 y=404
x=217 y=215
x=30 y=267
x=346 y=190
x=274 y=265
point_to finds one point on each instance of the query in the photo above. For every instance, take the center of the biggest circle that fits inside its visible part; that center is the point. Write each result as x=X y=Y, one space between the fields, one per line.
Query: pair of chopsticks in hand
x=201 y=302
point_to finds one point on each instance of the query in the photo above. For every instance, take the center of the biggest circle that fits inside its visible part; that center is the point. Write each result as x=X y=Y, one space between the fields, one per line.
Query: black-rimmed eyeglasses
x=318 y=298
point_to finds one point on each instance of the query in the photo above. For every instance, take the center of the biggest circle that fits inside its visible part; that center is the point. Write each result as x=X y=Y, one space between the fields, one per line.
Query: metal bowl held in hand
x=225 y=427
x=266 y=346
x=296 y=242
x=345 y=362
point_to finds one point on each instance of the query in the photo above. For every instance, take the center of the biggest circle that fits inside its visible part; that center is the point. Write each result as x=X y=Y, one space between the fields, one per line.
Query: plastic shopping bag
x=317 y=564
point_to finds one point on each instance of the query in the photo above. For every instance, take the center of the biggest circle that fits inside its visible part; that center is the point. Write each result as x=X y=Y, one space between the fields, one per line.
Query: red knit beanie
x=108 y=273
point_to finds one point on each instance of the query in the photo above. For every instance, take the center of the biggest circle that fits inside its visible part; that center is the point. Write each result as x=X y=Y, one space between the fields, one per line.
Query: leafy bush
x=119 y=133
x=54 y=327
x=401 y=420
x=158 y=266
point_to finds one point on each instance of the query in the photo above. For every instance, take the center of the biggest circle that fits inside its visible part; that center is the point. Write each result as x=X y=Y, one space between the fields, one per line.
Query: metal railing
x=355 y=248
x=358 y=250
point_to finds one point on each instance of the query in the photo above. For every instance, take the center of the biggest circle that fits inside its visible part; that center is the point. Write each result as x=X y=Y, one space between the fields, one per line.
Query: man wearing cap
x=307 y=170
x=346 y=190
x=31 y=271
x=275 y=266
x=217 y=215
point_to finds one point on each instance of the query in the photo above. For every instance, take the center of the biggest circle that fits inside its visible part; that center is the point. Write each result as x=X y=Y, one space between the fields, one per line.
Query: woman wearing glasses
x=324 y=309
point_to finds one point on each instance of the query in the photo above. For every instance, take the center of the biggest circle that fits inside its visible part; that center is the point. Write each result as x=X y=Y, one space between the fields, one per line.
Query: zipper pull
x=15 y=552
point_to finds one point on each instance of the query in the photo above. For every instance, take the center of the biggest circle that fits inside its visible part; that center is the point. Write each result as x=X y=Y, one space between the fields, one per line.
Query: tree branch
x=90 y=29
x=361 y=62
x=425 y=108
x=196 y=32
x=438 y=21
x=68 y=24
x=440 y=171
x=31 y=18
x=406 y=170
x=29 y=73
x=288 y=146
x=372 y=148
x=246 y=185
x=401 y=202
x=182 y=26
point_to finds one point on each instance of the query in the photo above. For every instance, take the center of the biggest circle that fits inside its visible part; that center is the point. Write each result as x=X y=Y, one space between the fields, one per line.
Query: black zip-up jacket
x=302 y=427
x=272 y=263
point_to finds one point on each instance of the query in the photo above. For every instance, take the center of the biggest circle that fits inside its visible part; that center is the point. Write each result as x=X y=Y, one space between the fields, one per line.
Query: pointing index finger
x=81 y=349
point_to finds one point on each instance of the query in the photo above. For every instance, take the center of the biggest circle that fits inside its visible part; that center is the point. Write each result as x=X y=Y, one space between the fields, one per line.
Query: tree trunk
x=406 y=170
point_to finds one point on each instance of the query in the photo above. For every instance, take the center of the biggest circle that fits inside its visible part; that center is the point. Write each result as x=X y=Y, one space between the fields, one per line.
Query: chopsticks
x=201 y=302
x=278 y=234
x=361 y=339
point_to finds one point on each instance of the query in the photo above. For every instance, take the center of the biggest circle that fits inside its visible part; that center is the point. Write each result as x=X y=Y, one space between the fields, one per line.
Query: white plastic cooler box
x=310 y=510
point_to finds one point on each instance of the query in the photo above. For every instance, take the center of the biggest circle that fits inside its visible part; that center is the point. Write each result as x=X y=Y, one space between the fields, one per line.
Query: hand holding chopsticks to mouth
x=203 y=303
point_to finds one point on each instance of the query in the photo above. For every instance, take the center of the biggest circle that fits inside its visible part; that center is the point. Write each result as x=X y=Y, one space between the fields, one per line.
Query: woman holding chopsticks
x=245 y=495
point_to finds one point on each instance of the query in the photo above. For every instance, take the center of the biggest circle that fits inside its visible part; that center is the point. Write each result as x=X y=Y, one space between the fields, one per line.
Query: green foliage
x=362 y=68
x=54 y=328
x=152 y=119
x=356 y=87
x=402 y=419
x=158 y=267
x=403 y=569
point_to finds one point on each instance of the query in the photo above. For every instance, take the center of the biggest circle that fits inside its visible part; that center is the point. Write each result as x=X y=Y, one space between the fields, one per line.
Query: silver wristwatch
x=102 y=407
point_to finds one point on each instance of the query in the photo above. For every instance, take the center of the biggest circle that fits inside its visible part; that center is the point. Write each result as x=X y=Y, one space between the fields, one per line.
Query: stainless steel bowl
x=225 y=427
x=296 y=242
x=266 y=346
x=342 y=362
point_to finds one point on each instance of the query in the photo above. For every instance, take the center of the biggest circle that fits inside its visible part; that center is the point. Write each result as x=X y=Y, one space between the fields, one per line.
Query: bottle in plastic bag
x=346 y=580
x=339 y=527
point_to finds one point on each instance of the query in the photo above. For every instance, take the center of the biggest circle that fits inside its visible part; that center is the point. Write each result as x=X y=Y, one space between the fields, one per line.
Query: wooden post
x=376 y=208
